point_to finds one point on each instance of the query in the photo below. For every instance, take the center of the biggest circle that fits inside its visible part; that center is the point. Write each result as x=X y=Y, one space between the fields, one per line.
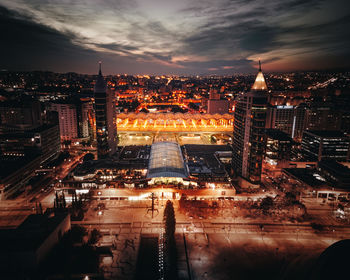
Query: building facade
x=335 y=173
x=289 y=119
x=249 y=128
x=322 y=144
x=67 y=115
x=25 y=113
x=22 y=153
x=278 y=146
x=218 y=106
x=323 y=116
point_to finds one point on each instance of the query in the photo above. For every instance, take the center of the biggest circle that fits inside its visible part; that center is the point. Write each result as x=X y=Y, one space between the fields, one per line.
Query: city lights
x=174 y=140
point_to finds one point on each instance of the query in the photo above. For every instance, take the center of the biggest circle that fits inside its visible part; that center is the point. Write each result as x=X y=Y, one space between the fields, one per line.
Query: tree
x=193 y=106
x=266 y=204
x=88 y=157
x=94 y=236
x=170 y=244
x=169 y=220
x=144 y=110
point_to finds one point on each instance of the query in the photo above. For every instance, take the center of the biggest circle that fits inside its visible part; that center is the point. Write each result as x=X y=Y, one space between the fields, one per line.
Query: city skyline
x=152 y=37
x=168 y=140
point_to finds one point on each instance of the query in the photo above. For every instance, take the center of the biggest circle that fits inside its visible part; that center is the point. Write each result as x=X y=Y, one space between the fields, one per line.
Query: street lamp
x=298 y=223
x=262 y=228
x=99 y=216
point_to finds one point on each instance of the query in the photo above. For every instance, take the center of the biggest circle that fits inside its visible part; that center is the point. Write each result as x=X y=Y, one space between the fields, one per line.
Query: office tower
x=87 y=119
x=299 y=123
x=323 y=116
x=322 y=144
x=67 y=116
x=280 y=117
x=289 y=119
x=23 y=152
x=249 y=128
x=106 y=127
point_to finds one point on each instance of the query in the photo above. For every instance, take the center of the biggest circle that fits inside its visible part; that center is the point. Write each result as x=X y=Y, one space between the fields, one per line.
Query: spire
x=99 y=68
x=259 y=83
x=100 y=85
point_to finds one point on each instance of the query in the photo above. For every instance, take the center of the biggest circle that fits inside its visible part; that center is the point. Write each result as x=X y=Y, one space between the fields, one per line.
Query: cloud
x=180 y=36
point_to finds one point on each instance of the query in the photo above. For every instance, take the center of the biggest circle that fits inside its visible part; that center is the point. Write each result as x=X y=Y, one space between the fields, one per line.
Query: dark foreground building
x=24 y=248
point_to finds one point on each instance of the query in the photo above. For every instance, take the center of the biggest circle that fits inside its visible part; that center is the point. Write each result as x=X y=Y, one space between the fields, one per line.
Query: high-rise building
x=87 y=123
x=43 y=141
x=249 y=128
x=67 y=116
x=280 y=117
x=287 y=118
x=323 y=116
x=105 y=112
x=322 y=144
x=76 y=118
x=24 y=151
x=24 y=113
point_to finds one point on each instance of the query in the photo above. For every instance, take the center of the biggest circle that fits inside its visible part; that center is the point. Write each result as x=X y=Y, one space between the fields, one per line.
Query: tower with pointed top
x=248 y=135
x=105 y=113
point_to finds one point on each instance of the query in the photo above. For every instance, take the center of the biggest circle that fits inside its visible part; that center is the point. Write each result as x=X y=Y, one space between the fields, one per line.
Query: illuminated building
x=105 y=113
x=216 y=105
x=87 y=119
x=175 y=122
x=249 y=128
x=67 y=116
x=166 y=162
x=289 y=119
x=320 y=144
x=22 y=153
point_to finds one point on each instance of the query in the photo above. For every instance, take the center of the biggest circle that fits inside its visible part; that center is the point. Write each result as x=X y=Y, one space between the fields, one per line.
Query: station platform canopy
x=166 y=161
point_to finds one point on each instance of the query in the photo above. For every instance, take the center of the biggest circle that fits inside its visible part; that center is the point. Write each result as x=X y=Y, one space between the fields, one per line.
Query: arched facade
x=175 y=122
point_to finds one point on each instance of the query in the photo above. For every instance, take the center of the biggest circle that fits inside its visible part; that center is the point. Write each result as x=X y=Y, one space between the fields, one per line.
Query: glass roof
x=166 y=161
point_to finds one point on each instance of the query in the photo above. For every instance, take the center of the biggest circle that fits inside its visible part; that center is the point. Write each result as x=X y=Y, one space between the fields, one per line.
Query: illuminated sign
x=285 y=107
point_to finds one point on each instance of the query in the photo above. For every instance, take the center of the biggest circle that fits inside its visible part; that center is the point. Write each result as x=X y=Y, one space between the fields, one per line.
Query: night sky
x=174 y=36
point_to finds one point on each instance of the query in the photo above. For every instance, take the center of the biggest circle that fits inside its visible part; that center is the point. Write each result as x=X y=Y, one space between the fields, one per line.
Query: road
x=43 y=190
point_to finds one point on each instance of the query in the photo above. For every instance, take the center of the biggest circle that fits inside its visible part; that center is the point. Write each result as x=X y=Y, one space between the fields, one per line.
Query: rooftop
x=31 y=233
x=259 y=83
x=166 y=161
x=335 y=166
x=326 y=133
x=9 y=164
x=278 y=135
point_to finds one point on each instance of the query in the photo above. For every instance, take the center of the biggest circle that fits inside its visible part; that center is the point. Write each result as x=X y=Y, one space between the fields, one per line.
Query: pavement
x=213 y=247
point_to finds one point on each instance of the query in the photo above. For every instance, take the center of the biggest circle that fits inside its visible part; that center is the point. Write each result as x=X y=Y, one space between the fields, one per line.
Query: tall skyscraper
x=248 y=136
x=106 y=125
